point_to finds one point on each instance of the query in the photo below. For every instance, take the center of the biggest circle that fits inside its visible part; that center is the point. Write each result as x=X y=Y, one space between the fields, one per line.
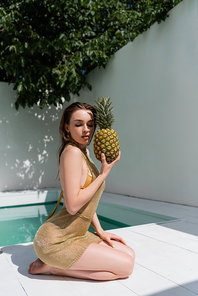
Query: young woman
x=63 y=243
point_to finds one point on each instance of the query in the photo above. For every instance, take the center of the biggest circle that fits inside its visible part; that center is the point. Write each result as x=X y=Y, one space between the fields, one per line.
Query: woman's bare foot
x=39 y=267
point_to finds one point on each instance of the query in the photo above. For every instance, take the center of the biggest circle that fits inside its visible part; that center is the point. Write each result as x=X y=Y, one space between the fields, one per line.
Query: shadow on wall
x=29 y=140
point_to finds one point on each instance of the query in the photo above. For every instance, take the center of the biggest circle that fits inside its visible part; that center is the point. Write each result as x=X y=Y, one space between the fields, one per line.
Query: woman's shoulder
x=71 y=151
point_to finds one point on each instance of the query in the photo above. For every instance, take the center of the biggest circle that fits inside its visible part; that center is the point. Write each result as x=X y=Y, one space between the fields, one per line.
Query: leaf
x=12 y=48
x=19 y=88
x=22 y=62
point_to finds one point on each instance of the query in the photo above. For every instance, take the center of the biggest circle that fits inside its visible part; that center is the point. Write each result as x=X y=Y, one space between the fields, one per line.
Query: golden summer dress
x=63 y=238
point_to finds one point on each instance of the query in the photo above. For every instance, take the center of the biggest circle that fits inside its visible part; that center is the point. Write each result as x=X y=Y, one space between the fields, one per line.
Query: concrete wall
x=153 y=83
x=29 y=140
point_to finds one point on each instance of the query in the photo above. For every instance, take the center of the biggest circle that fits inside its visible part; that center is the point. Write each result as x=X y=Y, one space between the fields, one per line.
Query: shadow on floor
x=189 y=289
x=183 y=226
x=23 y=255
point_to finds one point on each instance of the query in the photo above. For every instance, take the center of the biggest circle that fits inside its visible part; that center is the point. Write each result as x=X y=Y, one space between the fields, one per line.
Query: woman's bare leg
x=98 y=262
x=104 y=262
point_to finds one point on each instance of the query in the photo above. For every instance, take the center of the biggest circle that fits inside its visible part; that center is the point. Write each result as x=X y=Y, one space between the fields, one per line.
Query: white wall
x=153 y=83
x=29 y=140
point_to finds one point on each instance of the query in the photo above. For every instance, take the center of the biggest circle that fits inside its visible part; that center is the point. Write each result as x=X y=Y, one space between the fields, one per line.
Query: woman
x=63 y=243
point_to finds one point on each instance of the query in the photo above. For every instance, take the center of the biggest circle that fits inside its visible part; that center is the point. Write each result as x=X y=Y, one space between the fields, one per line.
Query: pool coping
x=27 y=197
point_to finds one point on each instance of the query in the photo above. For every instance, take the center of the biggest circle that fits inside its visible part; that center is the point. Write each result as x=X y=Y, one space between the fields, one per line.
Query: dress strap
x=89 y=173
x=57 y=204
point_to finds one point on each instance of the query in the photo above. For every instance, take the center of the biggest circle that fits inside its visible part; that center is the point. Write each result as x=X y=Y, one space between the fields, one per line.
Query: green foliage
x=47 y=47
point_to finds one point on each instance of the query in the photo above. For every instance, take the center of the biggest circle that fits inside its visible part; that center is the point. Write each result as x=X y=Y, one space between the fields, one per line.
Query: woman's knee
x=130 y=265
x=127 y=265
x=131 y=252
x=130 y=261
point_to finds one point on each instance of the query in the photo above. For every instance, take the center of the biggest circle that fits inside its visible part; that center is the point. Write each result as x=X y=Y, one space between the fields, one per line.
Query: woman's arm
x=96 y=225
x=70 y=174
x=106 y=236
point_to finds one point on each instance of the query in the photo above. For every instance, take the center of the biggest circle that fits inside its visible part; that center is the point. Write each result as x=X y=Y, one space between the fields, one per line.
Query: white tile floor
x=166 y=259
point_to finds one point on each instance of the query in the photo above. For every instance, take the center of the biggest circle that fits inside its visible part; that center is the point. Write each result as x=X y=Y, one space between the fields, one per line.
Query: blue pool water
x=19 y=224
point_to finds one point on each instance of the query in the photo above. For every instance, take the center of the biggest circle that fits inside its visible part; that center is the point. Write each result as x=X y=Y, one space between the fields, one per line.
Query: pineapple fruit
x=106 y=139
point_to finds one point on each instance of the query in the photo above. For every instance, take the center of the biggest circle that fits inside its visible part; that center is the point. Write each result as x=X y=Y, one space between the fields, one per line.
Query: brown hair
x=64 y=136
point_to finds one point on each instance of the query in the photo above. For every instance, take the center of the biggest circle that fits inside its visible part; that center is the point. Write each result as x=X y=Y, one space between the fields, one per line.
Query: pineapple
x=106 y=139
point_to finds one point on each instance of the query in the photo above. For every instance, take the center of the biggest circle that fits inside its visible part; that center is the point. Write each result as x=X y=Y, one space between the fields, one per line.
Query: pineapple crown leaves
x=104 y=116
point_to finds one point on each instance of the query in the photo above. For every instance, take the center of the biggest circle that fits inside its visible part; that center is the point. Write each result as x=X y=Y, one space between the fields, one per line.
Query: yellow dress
x=63 y=238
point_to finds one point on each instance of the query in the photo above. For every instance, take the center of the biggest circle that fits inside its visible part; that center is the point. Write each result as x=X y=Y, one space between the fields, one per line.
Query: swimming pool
x=18 y=224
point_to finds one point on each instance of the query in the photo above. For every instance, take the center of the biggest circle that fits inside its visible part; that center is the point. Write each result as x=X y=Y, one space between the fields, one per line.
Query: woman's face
x=81 y=127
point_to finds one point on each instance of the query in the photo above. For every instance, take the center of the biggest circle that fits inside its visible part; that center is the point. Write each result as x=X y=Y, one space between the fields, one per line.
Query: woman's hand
x=106 y=167
x=110 y=237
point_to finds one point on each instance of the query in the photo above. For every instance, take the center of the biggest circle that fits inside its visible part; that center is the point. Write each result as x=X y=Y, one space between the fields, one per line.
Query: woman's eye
x=89 y=125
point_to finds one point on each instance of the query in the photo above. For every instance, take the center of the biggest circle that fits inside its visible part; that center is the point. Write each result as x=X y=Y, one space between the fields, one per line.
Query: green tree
x=48 y=47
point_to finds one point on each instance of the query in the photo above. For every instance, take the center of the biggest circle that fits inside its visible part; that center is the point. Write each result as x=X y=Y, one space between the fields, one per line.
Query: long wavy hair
x=65 y=137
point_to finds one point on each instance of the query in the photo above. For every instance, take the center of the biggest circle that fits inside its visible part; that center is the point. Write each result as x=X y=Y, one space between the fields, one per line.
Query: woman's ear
x=66 y=127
